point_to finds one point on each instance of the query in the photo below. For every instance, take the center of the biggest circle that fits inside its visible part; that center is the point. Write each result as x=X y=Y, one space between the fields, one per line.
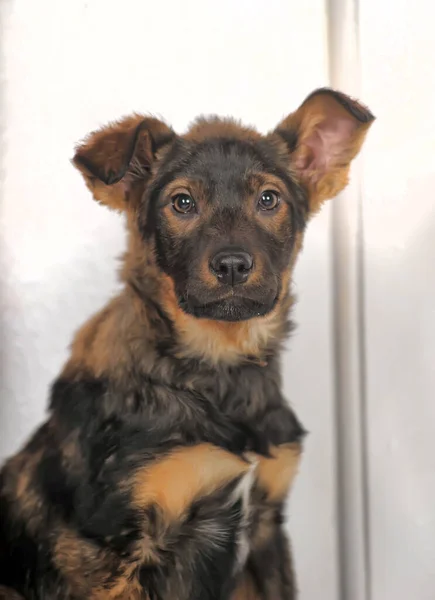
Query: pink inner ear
x=326 y=144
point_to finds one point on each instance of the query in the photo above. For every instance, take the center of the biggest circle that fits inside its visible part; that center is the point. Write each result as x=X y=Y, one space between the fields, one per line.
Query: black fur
x=93 y=506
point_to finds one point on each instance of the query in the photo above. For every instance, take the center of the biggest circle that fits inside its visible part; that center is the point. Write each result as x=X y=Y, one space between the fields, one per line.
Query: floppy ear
x=118 y=156
x=324 y=135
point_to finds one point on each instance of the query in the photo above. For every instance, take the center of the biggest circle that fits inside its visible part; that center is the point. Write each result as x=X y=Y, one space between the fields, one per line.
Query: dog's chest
x=273 y=433
x=253 y=398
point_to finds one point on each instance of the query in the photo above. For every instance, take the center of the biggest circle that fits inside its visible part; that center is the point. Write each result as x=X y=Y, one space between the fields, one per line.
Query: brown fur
x=174 y=482
x=218 y=341
x=246 y=590
x=276 y=473
x=318 y=118
x=169 y=449
x=8 y=594
x=112 y=151
x=204 y=129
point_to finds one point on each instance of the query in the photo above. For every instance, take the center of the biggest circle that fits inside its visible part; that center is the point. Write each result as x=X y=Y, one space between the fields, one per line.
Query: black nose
x=231 y=267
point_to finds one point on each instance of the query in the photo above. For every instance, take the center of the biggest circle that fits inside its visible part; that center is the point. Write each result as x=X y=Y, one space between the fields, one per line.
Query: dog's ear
x=323 y=136
x=120 y=155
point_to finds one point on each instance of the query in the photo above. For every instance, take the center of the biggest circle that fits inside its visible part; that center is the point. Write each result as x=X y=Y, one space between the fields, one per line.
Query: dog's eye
x=183 y=203
x=268 y=200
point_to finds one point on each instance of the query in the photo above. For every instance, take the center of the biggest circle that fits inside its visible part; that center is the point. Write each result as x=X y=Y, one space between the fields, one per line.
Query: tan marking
x=275 y=221
x=122 y=333
x=127 y=587
x=297 y=247
x=275 y=475
x=181 y=226
x=20 y=487
x=246 y=590
x=260 y=183
x=175 y=481
x=86 y=567
x=220 y=341
x=108 y=341
x=128 y=592
x=81 y=562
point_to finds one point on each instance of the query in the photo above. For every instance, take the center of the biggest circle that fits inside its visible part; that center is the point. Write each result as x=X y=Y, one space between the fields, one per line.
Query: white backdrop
x=71 y=65
x=399 y=225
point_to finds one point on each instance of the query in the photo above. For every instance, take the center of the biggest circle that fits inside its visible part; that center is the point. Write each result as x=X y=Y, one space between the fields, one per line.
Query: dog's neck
x=220 y=342
x=143 y=330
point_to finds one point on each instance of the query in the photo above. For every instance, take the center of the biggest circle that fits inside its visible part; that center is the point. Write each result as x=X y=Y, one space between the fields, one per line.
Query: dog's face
x=222 y=207
x=223 y=211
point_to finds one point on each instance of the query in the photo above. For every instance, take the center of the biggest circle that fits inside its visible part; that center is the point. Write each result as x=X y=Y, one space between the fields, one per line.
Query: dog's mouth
x=233 y=308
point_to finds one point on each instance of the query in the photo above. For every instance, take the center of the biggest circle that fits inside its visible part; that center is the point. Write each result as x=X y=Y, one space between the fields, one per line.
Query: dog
x=169 y=450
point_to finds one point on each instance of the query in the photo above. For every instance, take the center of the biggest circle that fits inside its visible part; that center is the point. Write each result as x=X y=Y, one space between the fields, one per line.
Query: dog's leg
x=192 y=507
x=204 y=493
x=173 y=527
x=268 y=574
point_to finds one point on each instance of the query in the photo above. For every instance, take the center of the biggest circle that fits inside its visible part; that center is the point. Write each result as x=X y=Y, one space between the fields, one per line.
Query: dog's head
x=223 y=208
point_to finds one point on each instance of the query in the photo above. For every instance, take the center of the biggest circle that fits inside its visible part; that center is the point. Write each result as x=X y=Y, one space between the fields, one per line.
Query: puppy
x=169 y=449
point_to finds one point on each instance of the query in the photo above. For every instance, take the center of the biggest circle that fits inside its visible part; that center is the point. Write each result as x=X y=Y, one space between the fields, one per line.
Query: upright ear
x=120 y=155
x=324 y=135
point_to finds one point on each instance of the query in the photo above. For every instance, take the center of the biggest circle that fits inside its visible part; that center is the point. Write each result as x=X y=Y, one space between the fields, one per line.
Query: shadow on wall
x=36 y=323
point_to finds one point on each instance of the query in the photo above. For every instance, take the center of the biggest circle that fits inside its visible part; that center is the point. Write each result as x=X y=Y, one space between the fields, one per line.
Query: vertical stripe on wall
x=348 y=335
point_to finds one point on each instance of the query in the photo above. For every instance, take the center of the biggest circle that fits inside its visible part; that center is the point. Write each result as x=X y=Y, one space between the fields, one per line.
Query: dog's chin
x=229 y=309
